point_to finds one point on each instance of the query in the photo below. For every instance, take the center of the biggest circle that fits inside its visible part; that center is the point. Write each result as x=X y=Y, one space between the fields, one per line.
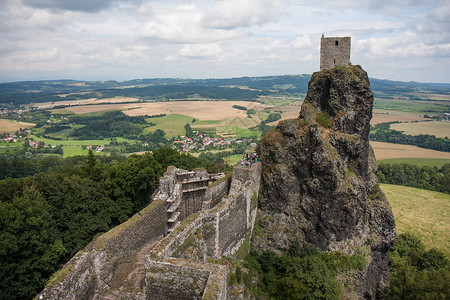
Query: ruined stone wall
x=213 y=233
x=216 y=191
x=191 y=202
x=334 y=51
x=134 y=261
x=99 y=267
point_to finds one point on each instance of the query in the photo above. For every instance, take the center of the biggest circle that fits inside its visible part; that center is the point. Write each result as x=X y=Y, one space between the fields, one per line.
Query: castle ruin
x=334 y=51
x=172 y=248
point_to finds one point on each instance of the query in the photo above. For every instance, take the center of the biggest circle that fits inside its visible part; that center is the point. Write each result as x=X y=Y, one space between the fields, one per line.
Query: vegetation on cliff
x=300 y=273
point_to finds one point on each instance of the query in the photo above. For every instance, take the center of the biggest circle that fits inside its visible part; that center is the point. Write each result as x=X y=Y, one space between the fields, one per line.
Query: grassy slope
x=421 y=212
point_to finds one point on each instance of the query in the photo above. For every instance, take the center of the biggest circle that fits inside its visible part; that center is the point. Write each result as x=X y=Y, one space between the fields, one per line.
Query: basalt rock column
x=318 y=183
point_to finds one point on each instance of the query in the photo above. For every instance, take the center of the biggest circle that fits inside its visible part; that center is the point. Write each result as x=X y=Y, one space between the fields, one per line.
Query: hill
x=421 y=212
x=250 y=88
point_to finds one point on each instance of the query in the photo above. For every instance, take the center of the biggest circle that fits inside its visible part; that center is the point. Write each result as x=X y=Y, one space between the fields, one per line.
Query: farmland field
x=202 y=110
x=383 y=116
x=85 y=101
x=388 y=151
x=422 y=213
x=76 y=142
x=83 y=109
x=7 y=126
x=431 y=107
x=437 y=128
x=173 y=125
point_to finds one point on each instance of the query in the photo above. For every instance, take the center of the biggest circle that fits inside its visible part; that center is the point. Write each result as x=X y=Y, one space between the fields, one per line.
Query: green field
x=233 y=159
x=421 y=162
x=62 y=111
x=280 y=100
x=73 y=151
x=422 y=213
x=206 y=122
x=437 y=128
x=77 y=142
x=410 y=106
x=173 y=125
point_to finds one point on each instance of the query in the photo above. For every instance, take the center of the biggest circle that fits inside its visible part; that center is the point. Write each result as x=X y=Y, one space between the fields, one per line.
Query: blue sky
x=407 y=40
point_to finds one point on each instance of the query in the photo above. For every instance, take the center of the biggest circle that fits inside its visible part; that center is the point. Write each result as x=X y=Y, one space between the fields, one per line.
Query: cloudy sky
x=127 y=39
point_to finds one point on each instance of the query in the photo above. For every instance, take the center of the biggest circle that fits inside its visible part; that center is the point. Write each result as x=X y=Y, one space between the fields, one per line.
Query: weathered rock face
x=318 y=184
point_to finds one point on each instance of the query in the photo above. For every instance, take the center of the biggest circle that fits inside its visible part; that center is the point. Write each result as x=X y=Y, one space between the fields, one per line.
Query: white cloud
x=201 y=50
x=124 y=39
x=228 y=14
x=184 y=26
x=302 y=42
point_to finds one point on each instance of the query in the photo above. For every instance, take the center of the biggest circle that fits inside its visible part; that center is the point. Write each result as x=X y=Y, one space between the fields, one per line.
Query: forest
x=429 y=178
x=18 y=93
x=45 y=218
x=107 y=125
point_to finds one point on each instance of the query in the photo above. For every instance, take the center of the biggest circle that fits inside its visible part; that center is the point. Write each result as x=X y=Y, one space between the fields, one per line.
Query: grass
x=422 y=213
x=8 y=126
x=173 y=125
x=206 y=122
x=279 y=101
x=62 y=111
x=233 y=159
x=245 y=132
x=73 y=151
x=70 y=142
x=437 y=128
x=421 y=162
x=409 y=106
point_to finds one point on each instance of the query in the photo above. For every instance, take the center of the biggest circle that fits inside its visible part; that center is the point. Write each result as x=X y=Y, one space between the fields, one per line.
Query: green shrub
x=324 y=119
x=300 y=273
x=417 y=273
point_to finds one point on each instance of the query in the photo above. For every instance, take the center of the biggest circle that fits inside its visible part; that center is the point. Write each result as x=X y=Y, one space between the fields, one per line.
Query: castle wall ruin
x=148 y=257
x=205 y=235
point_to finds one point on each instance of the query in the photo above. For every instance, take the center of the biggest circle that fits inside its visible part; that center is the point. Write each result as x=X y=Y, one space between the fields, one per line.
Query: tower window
x=336 y=43
x=334 y=61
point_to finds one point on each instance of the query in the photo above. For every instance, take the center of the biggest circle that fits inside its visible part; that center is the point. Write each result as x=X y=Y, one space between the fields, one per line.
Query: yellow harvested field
x=8 y=126
x=101 y=107
x=437 y=128
x=203 y=110
x=388 y=150
x=85 y=101
x=389 y=116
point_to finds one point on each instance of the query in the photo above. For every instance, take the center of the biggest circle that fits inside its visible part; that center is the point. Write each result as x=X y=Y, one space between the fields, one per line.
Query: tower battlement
x=334 y=51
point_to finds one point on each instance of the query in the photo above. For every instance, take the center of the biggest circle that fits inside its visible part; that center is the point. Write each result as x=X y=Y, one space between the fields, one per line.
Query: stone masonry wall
x=334 y=51
x=97 y=269
x=213 y=233
x=216 y=191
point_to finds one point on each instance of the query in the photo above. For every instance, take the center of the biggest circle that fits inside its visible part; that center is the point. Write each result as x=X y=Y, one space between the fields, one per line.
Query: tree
x=189 y=131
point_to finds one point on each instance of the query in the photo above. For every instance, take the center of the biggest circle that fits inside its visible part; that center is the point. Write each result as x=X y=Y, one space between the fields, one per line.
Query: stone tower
x=334 y=51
